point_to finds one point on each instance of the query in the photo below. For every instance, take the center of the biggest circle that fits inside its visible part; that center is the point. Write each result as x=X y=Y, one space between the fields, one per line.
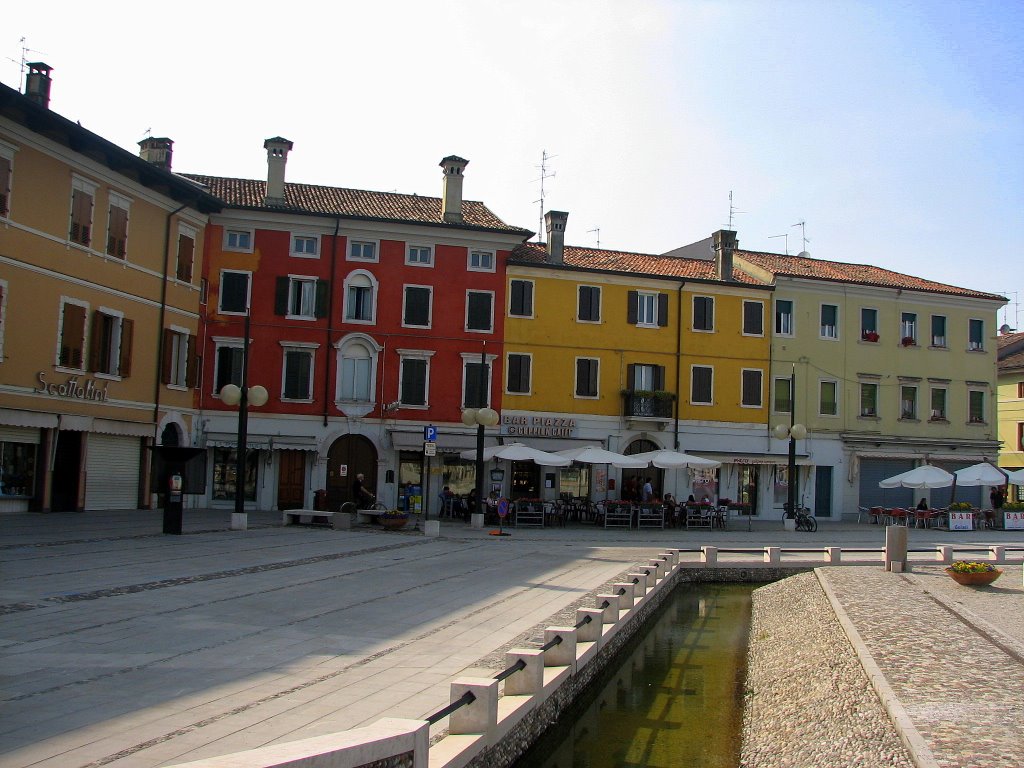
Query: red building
x=368 y=312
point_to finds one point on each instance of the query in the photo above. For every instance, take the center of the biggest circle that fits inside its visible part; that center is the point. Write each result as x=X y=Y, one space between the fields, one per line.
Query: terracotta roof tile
x=1006 y=339
x=355 y=203
x=862 y=274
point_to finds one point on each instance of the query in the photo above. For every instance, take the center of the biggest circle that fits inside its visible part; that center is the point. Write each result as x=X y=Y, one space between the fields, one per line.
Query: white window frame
x=362 y=241
x=309 y=348
x=908 y=328
x=575 y=378
x=821 y=401
x=115 y=343
x=743 y=319
x=980 y=344
x=124 y=203
x=860 y=399
x=409 y=248
x=64 y=300
x=646 y=300
x=775 y=393
x=917 y=402
x=301 y=283
x=82 y=184
x=341 y=347
x=248 y=292
x=470 y=358
x=293 y=241
x=984 y=405
x=822 y=328
x=944 y=338
x=221 y=342
x=179 y=359
x=374 y=290
x=8 y=151
x=791 y=315
x=934 y=415
x=529 y=385
x=491 y=257
x=3 y=312
x=189 y=231
x=490 y=329
x=600 y=303
x=693 y=313
x=229 y=231
x=712 y=387
x=760 y=390
x=430 y=305
x=416 y=354
x=533 y=297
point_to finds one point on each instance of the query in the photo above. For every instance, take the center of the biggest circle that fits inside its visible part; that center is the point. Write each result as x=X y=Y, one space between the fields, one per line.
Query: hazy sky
x=895 y=130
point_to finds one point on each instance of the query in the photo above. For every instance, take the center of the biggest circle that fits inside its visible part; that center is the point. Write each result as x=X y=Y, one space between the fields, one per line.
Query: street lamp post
x=243 y=397
x=480 y=417
x=793 y=432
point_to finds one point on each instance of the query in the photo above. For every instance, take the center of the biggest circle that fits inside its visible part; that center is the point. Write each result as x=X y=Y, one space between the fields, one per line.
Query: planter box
x=982 y=579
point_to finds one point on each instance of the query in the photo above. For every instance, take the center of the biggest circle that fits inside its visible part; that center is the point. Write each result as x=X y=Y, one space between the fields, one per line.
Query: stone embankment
x=808 y=701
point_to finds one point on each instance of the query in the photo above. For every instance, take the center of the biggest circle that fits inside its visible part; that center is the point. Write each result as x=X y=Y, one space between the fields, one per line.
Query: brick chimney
x=554 y=223
x=277 y=157
x=451 y=189
x=157 y=151
x=725 y=243
x=37 y=83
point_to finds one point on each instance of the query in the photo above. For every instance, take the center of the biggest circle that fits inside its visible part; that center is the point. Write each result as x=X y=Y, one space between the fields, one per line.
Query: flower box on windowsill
x=871 y=336
x=908 y=341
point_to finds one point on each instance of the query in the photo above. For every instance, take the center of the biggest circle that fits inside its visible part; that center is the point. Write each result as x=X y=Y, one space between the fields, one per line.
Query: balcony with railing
x=641 y=404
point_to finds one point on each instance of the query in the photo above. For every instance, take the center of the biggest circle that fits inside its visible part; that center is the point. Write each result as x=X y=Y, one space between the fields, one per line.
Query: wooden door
x=349 y=456
x=291 y=480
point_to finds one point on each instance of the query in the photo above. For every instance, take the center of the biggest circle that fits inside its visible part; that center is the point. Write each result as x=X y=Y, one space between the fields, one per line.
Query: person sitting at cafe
x=922 y=504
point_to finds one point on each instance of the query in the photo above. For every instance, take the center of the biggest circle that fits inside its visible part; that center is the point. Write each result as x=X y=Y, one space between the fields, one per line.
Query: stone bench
x=337 y=520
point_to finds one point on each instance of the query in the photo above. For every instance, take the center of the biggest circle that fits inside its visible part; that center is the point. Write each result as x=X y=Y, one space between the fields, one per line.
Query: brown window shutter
x=118 y=233
x=662 y=309
x=192 y=364
x=165 y=363
x=632 y=297
x=282 y=289
x=71 y=336
x=124 y=363
x=5 y=188
x=94 y=342
x=186 y=252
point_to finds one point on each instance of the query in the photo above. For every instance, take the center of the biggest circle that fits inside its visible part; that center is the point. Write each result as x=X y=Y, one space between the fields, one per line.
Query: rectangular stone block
x=564 y=653
x=528 y=681
x=773 y=555
x=626 y=599
x=591 y=631
x=709 y=555
x=481 y=716
x=611 y=611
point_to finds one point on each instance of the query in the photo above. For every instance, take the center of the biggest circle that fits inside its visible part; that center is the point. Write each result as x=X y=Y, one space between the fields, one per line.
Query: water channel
x=672 y=699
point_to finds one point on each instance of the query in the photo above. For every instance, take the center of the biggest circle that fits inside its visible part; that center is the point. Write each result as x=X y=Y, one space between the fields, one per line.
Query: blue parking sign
x=430 y=434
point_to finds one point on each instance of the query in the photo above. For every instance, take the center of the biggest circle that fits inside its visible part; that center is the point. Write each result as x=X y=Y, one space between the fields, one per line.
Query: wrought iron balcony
x=637 y=405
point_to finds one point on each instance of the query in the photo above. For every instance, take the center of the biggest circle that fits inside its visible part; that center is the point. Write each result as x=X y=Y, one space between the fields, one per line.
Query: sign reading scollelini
x=538 y=426
x=73 y=387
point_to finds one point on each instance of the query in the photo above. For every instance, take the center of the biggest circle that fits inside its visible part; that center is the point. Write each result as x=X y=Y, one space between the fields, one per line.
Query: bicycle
x=804 y=522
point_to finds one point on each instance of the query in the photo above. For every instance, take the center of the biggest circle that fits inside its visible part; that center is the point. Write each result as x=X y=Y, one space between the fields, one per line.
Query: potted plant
x=960 y=506
x=908 y=341
x=393 y=519
x=973 y=574
x=871 y=336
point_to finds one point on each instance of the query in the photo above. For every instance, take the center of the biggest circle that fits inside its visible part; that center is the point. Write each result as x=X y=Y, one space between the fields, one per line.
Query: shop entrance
x=749 y=486
x=66 y=471
x=348 y=456
x=291 y=479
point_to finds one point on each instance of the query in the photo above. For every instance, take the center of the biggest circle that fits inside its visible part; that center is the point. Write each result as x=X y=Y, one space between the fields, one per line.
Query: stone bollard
x=482 y=715
x=611 y=611
x=591 y=631
x=944 y=553
x=476 y=520
x=432 y=528
x=342 y=521
x=659 y=568
x=896 y=546
x=672 y=556
x=563 y=654
x=626 y=599
x=709 y=555
x=528 y=681
x=833 y=555
x=997 y=554
x=773 y=555
x=640 y=587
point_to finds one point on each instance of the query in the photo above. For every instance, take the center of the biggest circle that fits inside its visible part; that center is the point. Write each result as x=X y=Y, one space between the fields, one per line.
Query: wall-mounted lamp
x=497 y=475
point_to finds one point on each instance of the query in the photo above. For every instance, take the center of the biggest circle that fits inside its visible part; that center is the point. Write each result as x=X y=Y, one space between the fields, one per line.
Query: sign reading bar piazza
x=538 y=426
x=73 y=388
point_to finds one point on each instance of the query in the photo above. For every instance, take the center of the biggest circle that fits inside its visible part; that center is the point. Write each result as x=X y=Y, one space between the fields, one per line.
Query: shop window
x=225 y=467
x=17 y=469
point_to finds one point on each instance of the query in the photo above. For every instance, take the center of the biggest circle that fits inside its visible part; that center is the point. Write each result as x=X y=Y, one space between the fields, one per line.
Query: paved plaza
x=122 y=646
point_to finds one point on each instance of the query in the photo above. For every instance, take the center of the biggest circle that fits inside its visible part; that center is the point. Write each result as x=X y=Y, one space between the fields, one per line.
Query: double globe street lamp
x=793 y=432
x=480 y=418
x=243 y=397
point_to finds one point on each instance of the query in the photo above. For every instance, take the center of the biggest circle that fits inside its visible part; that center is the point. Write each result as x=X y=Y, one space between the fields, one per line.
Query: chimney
x=277 y=157
x=554 y=223
x=37 y=83
x=451 y=189
x=157 y=151
x=725 y=243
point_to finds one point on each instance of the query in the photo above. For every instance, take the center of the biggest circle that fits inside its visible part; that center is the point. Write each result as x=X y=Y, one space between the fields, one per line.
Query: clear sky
x=895 y=129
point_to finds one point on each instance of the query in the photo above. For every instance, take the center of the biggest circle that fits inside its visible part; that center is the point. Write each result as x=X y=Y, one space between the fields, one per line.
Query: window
x=588 y=307
x=360 y=292
x=413 y=381
x=753 y=318
x=646 y=378
x=1020 y=389
x=476 y=381
x=186 y=253
x=82 y=194
x=297 y=377
x=783 y=395
x=868 y=324
x=976 y=334
x=6 y=172
x=908 y=402
x=3 y=316
x=587 y=369
x=225 y=466
x=647 y=309
x=703 y=313
x=976 y=406
x=701 y=384
x=828 y=404
x=479 y=316
x=227 y=364
x=17 y=468
x=362 y=250
x=751 y=396
x=938 y=330
x=520 y=301
x=481 y=261
x=829 y=321
x=110 y=343
x=783 y=317
x=234 y=292
x=419 y=255
x=238 y=240
x=70 y=351
x=117 y=226
x=908 y=329
x=300 y=297
x=357 y=361
x=305 y=245
x=938 y=409
x=1020 y=435
x=416 y=306
x=518 y=373
x=179 y=360
x=868 y=399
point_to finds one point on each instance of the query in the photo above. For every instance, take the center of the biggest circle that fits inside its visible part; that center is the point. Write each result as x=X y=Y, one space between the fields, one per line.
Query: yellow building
x=100 y=285
x=1011 y=403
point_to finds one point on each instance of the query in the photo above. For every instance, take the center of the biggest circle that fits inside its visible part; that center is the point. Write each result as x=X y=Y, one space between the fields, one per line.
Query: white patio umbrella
x=591 y=454
x=980 y=474
x=925 y=476
x=1016 y=476
x=666 y=458
x=519 y=452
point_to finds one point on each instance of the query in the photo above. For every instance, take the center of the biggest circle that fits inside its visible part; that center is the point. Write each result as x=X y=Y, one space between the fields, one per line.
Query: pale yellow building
x=1011 y=403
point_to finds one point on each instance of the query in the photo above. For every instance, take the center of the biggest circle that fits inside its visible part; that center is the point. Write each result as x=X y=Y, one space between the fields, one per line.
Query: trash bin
x=320 y=500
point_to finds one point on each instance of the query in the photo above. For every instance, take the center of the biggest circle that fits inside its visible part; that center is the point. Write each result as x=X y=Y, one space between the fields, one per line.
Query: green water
x=672 y=699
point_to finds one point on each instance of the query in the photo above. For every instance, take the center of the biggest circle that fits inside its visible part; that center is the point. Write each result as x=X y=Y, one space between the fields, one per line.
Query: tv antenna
x=23 y=63
x=1015 y=301
x=804 y=254
x=598 y=231
x=544 y=157
x=732 y=210
x=785 y=235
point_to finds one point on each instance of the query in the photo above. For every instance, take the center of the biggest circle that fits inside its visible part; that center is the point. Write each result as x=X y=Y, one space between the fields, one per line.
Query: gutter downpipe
x=163 y=313
x=330 y=317
x=679 y=362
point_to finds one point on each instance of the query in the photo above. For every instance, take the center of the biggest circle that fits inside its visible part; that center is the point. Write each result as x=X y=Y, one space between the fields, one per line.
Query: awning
x=15 y=418
x=293 y=443
x=128 y=428
x=446 y=443
x=751 y=458
x=230 y=440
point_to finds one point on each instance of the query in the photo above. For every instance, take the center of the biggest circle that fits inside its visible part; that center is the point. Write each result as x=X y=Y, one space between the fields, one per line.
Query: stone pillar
x=528 y=681
x=709 y=555
x=895 y=547
x=482 y=715
x=563 y=654
x=591 y=631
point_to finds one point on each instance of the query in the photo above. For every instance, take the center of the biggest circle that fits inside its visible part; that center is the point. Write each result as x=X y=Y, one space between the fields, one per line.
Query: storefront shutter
x=112 y=472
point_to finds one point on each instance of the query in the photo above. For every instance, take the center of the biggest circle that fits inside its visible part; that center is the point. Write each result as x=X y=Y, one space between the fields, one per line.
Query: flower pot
x=393 y=522
x=981 y=579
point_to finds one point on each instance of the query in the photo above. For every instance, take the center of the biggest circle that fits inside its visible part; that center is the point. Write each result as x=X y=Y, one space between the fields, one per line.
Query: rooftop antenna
x=598 y=230
x=785 y=235
x=804 y=253
x=1006 y=312
x=544 y=157
x=732 y=210
x=23 y=64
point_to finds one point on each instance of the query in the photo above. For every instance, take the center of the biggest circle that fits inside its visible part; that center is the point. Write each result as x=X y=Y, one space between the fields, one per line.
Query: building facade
x=1011 y=404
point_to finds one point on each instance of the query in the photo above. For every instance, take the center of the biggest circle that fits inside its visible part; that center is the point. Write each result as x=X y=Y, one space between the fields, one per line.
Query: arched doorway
x=657 y=475
x=348 y=456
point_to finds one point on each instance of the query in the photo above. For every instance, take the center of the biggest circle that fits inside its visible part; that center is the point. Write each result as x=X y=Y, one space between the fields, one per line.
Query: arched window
x=360 y=305
x=357 y=374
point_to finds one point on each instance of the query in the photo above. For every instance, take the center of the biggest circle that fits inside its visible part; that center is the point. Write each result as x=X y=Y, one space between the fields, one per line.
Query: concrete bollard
x=672 y=556
x=659 y=568
x=997 y=554
x=563 y=654
x=640 y=587
x=342 y=521
x=476 y=520
x=896 y=546
x=833 y=554
x=591 y=631
x=626 y=599
x=482 y=715
x=432 y=528
x=611 y=611
x=528 y=681
x=773 y=555
x=709 y=555
x=944 y=553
